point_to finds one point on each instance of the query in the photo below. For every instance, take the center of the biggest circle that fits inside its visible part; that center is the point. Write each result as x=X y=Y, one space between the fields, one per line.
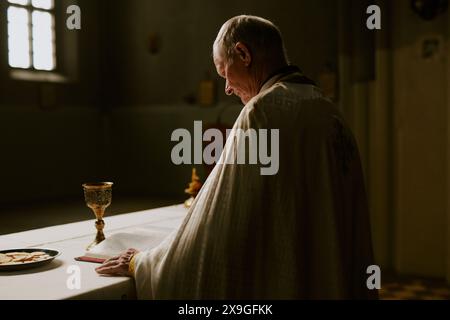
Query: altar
x=52 y=281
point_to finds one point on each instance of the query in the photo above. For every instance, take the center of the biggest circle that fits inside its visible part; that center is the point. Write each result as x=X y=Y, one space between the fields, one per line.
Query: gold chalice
x=98 y=197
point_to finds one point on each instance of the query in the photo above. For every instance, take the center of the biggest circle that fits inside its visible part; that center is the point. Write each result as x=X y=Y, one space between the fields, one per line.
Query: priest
x=300 y=233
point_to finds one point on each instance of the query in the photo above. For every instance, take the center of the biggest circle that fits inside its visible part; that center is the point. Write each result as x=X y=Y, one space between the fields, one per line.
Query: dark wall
x=420 y=114
x=187 y=30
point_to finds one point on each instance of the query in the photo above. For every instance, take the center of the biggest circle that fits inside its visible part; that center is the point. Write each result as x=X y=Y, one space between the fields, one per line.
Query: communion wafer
x=20 y=257
x=39 y=257
x=16 y=254
x=38 y=253
x=4 y=258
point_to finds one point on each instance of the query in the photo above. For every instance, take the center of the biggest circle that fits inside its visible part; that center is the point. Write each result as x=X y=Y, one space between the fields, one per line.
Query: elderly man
x=302 y=233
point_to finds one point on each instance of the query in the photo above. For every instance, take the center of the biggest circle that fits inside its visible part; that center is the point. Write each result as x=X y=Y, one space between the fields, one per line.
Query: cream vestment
x=303 y=233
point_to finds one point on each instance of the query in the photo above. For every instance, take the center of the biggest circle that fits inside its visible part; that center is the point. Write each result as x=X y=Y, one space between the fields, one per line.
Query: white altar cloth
x=50 y=282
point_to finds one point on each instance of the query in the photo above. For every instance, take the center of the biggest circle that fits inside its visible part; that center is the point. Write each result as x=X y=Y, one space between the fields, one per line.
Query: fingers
x=106 y=267
x=108 y=264
x=111 y=271
x=111 y=259
x=118 y=265
x=113 y=268
x=127 y=253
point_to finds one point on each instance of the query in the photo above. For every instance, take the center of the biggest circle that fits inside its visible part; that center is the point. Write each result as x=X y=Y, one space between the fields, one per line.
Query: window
x=31 y=34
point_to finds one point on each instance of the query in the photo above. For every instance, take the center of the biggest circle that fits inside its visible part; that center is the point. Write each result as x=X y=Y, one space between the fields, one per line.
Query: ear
x=243 y=53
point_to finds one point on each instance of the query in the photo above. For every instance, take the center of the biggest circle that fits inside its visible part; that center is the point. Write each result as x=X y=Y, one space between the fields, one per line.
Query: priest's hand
x=117 y=266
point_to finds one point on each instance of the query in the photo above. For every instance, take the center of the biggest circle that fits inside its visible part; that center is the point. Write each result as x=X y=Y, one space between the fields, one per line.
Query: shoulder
x=287 y=96
x=291 y=99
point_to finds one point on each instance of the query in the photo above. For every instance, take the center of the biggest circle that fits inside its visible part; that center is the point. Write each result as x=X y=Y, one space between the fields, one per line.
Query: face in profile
x=236 y=75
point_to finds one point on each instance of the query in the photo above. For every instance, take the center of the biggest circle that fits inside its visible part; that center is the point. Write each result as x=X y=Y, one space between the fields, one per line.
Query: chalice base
x=97 y=240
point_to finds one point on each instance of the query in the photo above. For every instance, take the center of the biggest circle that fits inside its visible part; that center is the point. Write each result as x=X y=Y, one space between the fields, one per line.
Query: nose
x=228 y=90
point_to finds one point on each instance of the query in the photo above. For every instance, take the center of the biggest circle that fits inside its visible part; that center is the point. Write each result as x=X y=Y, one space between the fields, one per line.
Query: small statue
x=193 y=189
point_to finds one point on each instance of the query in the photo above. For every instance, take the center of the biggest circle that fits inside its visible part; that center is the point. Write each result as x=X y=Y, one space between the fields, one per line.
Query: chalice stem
x=99 y=224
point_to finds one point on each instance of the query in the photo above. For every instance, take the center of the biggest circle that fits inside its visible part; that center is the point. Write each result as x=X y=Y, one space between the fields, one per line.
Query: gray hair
x=259 y=35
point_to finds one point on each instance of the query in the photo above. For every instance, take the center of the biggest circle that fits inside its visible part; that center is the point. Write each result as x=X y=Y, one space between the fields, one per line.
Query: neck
x=259 y=73
x=264 y=74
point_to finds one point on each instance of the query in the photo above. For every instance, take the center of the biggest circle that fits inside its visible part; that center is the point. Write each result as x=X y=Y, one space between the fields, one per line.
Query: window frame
x=67 y=46
x=30 y=8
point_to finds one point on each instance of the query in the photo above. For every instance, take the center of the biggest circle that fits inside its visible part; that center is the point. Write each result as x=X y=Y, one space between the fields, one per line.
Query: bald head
x=260 y=36
x=246 y=51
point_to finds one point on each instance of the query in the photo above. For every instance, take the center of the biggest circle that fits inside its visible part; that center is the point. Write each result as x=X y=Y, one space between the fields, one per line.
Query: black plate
x=27 y=265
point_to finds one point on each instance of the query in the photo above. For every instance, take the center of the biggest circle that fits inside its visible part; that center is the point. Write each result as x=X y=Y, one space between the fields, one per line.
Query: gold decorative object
x=98 y=197
x=193 y=189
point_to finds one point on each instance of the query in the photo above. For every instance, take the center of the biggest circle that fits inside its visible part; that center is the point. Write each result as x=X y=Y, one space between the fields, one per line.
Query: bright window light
x=18 y=38
x=42 y=40
x=42 y=4
x=21 y=2
x=31 y=34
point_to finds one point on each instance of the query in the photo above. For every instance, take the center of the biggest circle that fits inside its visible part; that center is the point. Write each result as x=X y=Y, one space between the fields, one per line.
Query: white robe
x=303 y=233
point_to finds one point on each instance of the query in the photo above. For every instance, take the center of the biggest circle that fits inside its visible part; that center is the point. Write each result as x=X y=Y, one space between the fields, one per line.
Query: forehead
x=217 y=56
x=219 y=62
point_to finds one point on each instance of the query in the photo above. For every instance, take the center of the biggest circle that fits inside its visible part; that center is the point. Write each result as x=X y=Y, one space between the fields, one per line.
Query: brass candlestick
x=194 y=187
x=98 y=197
